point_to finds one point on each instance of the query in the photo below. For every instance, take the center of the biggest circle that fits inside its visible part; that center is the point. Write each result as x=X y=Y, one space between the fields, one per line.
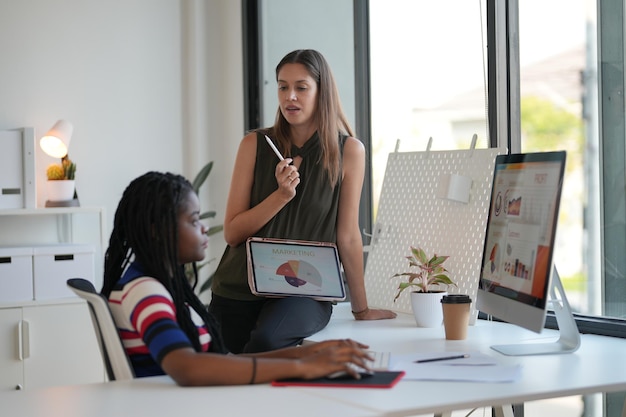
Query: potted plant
x=426 y=283
x=60 y=184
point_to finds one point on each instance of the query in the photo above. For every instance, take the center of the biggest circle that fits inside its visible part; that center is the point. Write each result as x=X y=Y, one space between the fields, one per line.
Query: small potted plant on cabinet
x=426 y=283
x=60 y=186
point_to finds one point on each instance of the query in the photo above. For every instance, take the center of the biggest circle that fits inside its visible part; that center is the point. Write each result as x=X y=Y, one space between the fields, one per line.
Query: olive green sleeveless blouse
x=310 y=215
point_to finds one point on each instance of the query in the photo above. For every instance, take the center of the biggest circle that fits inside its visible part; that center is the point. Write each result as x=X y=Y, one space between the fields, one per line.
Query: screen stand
x=569 y=339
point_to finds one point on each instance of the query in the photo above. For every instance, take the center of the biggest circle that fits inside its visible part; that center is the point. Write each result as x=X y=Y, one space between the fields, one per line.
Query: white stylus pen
x=276 y=151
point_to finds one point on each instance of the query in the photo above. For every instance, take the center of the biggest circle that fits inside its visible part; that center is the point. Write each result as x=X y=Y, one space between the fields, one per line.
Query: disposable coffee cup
x=456 y=312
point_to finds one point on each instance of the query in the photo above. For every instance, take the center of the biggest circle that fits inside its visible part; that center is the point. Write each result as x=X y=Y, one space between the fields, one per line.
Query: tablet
x=380 y=379
x=294 y=268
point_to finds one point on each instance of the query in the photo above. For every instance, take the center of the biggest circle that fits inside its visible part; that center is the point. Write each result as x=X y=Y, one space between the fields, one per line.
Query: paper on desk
x=478 y=367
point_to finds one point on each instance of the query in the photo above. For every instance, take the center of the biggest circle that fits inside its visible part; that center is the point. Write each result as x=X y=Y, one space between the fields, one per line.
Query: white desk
x=160 y=396
x=598 y=366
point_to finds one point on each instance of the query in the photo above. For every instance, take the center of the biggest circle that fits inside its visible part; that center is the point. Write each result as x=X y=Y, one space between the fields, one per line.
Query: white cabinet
x=54 y=226
x=50 y=342
x=45 y=344
x=12 y=368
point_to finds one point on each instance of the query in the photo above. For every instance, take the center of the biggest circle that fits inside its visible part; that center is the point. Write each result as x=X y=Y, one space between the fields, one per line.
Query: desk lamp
x=56 y=143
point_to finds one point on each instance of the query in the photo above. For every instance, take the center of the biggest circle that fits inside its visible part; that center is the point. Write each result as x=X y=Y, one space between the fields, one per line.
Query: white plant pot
x=60 y=190
x=427 y=308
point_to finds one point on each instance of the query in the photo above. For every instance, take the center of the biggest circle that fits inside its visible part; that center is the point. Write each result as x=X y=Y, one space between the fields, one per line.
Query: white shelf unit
x=50 y=342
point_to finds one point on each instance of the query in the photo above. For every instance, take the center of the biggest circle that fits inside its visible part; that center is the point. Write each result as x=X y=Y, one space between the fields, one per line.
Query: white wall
x=148 y=85
x=213 y=100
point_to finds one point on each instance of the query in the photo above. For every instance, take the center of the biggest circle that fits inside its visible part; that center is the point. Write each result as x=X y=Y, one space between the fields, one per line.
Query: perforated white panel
x=411 y=213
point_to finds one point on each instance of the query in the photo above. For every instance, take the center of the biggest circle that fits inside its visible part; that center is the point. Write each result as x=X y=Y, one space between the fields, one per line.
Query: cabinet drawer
x=54 y=265
x=16 y=274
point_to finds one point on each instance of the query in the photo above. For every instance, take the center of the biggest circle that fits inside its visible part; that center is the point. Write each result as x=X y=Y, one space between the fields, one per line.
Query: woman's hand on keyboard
x=313 y=348
x=332 y=356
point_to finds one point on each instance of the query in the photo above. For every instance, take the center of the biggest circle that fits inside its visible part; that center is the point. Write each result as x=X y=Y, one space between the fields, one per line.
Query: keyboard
x=379 y=363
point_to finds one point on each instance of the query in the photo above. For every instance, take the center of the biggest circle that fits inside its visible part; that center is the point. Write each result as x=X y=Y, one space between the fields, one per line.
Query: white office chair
x=113 y=355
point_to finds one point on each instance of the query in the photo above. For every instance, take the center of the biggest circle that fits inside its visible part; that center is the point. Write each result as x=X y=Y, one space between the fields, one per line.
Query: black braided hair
x=145 y=229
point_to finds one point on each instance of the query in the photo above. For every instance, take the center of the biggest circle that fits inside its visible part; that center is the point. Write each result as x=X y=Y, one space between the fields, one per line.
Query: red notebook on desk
x=380 y=379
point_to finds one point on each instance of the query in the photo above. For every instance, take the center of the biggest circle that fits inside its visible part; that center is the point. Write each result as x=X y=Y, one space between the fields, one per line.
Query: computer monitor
x=516 y=278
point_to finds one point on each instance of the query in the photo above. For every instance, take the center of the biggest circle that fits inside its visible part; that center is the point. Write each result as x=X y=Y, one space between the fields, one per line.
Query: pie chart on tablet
x=298 y=273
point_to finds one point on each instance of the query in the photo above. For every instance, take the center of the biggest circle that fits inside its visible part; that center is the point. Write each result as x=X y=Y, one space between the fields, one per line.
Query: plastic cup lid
x=456 y=299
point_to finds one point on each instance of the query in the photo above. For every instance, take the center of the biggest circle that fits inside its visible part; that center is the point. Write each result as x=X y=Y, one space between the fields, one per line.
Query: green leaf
x=201 y=177
x=422 y=256
x=444 y=279
x=438 y=260
x=206 y=285
x=438 y=270
x=207 y=215
x=214 y=229
x=419 y=255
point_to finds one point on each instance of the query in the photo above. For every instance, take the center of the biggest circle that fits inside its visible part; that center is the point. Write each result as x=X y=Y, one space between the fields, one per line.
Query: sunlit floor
x=561 y=407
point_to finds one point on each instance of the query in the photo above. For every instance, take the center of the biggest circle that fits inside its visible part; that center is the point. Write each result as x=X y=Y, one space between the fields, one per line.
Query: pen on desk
x=443 y=358
x=276 y=151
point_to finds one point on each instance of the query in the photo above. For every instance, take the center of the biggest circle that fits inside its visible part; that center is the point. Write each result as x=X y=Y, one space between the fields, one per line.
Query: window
x=428 y=77
x=557 y=81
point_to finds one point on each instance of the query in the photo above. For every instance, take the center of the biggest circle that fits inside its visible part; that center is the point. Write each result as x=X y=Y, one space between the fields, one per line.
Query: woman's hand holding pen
x=287 y=177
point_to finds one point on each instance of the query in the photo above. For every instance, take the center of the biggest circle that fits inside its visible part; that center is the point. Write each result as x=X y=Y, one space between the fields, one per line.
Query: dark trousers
x=268 y=324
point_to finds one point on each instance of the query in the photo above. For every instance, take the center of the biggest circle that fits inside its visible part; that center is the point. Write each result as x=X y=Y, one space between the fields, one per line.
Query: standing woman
x=313 y=194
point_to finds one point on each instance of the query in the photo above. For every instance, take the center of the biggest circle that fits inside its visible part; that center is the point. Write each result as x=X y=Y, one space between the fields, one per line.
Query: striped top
x=145 y=317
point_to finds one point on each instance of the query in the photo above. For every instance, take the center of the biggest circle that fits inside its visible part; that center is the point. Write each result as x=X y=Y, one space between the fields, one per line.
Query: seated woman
x=165 y=328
